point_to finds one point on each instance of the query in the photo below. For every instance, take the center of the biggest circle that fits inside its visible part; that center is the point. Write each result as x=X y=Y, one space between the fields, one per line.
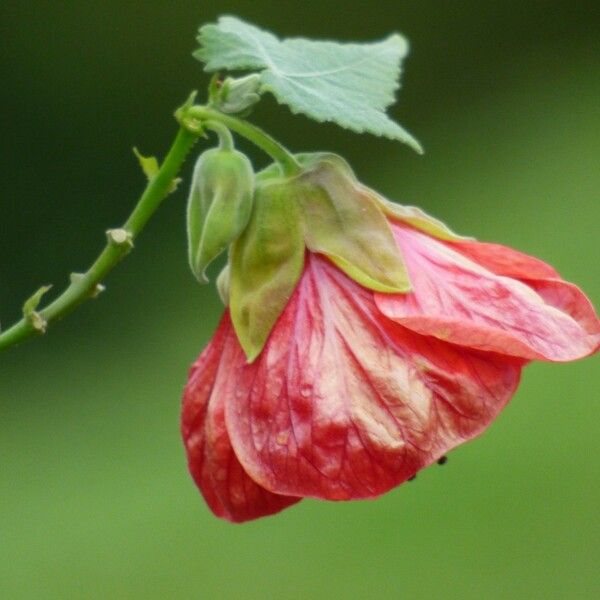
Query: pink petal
x=455 y=299
x=503 y=260
x=226 y=487
x=569 y=299
x=343 y=403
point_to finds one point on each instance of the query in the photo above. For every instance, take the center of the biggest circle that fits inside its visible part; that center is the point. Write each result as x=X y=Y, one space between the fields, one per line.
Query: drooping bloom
x=344 y=364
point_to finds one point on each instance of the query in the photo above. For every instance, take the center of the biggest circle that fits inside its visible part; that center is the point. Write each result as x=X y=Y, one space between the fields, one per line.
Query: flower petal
x=503 y=260
x=537 y=274
x=458 y=300
x=226 y=487
x=343 y=403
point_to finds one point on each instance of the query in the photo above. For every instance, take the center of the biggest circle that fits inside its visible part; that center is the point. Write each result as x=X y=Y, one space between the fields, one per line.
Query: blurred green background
x=95 y=499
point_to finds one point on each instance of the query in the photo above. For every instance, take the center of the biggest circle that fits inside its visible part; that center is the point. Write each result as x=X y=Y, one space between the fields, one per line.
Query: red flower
x=355 y=390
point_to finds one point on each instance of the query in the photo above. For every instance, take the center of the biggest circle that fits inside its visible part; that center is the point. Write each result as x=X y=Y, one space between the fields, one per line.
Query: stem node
x=120 y=238
x=38 y=322
x=119 y=243
x=192 y=119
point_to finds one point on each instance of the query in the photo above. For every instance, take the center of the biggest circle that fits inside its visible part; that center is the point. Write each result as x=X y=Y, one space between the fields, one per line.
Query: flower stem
x=257 y=136
x=119 y=244
x=225 y=137
x=120 y=241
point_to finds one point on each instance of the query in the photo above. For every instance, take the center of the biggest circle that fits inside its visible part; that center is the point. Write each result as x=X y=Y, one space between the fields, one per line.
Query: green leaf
x=348 y=84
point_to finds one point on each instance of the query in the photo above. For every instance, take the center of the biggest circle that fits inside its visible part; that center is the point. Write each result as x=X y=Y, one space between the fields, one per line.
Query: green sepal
x=271 y=171
x=223 y=284
x=266 y=262
x=345 y=223
x=30 y=305
x=219 y=205
x=417 y=218
x=412 y=215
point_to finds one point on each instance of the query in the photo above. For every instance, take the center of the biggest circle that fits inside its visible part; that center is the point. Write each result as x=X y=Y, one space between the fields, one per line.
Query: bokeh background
x=95 y=499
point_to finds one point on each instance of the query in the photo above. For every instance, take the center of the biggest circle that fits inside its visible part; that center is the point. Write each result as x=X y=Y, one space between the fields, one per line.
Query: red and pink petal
x=342 y=403
x=503 y=260
x=456 y=299
x=225 y=485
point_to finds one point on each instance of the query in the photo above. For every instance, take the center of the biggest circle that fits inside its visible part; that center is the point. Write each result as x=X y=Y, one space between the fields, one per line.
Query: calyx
x=326 y=210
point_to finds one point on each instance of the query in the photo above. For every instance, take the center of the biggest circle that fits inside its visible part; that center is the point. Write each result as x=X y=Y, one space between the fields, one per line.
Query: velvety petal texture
x=492 y=298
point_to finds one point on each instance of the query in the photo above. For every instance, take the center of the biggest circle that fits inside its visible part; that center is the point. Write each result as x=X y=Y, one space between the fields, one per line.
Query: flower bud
x=219 y=205
x=238 y=95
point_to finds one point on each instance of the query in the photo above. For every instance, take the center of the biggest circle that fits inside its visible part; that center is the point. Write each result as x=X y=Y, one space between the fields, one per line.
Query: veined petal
x=458 y=300
x=503 y=260
x=538 y=275
x=226 y=487
x=343 y=403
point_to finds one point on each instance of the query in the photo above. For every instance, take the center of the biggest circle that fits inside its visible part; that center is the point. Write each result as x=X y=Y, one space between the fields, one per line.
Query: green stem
x=192 y=119
x=257 y=136
x=84 y=287
x=225 y=137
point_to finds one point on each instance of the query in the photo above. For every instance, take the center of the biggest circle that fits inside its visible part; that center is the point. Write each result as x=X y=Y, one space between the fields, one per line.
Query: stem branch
x=84 y=287
x=192 y=119
x=257 y=136
x=225 y=137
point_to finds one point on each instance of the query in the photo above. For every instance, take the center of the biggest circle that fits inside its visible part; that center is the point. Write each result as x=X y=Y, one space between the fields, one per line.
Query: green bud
x=219 y=205
x=266 y=263
x=238 y=95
